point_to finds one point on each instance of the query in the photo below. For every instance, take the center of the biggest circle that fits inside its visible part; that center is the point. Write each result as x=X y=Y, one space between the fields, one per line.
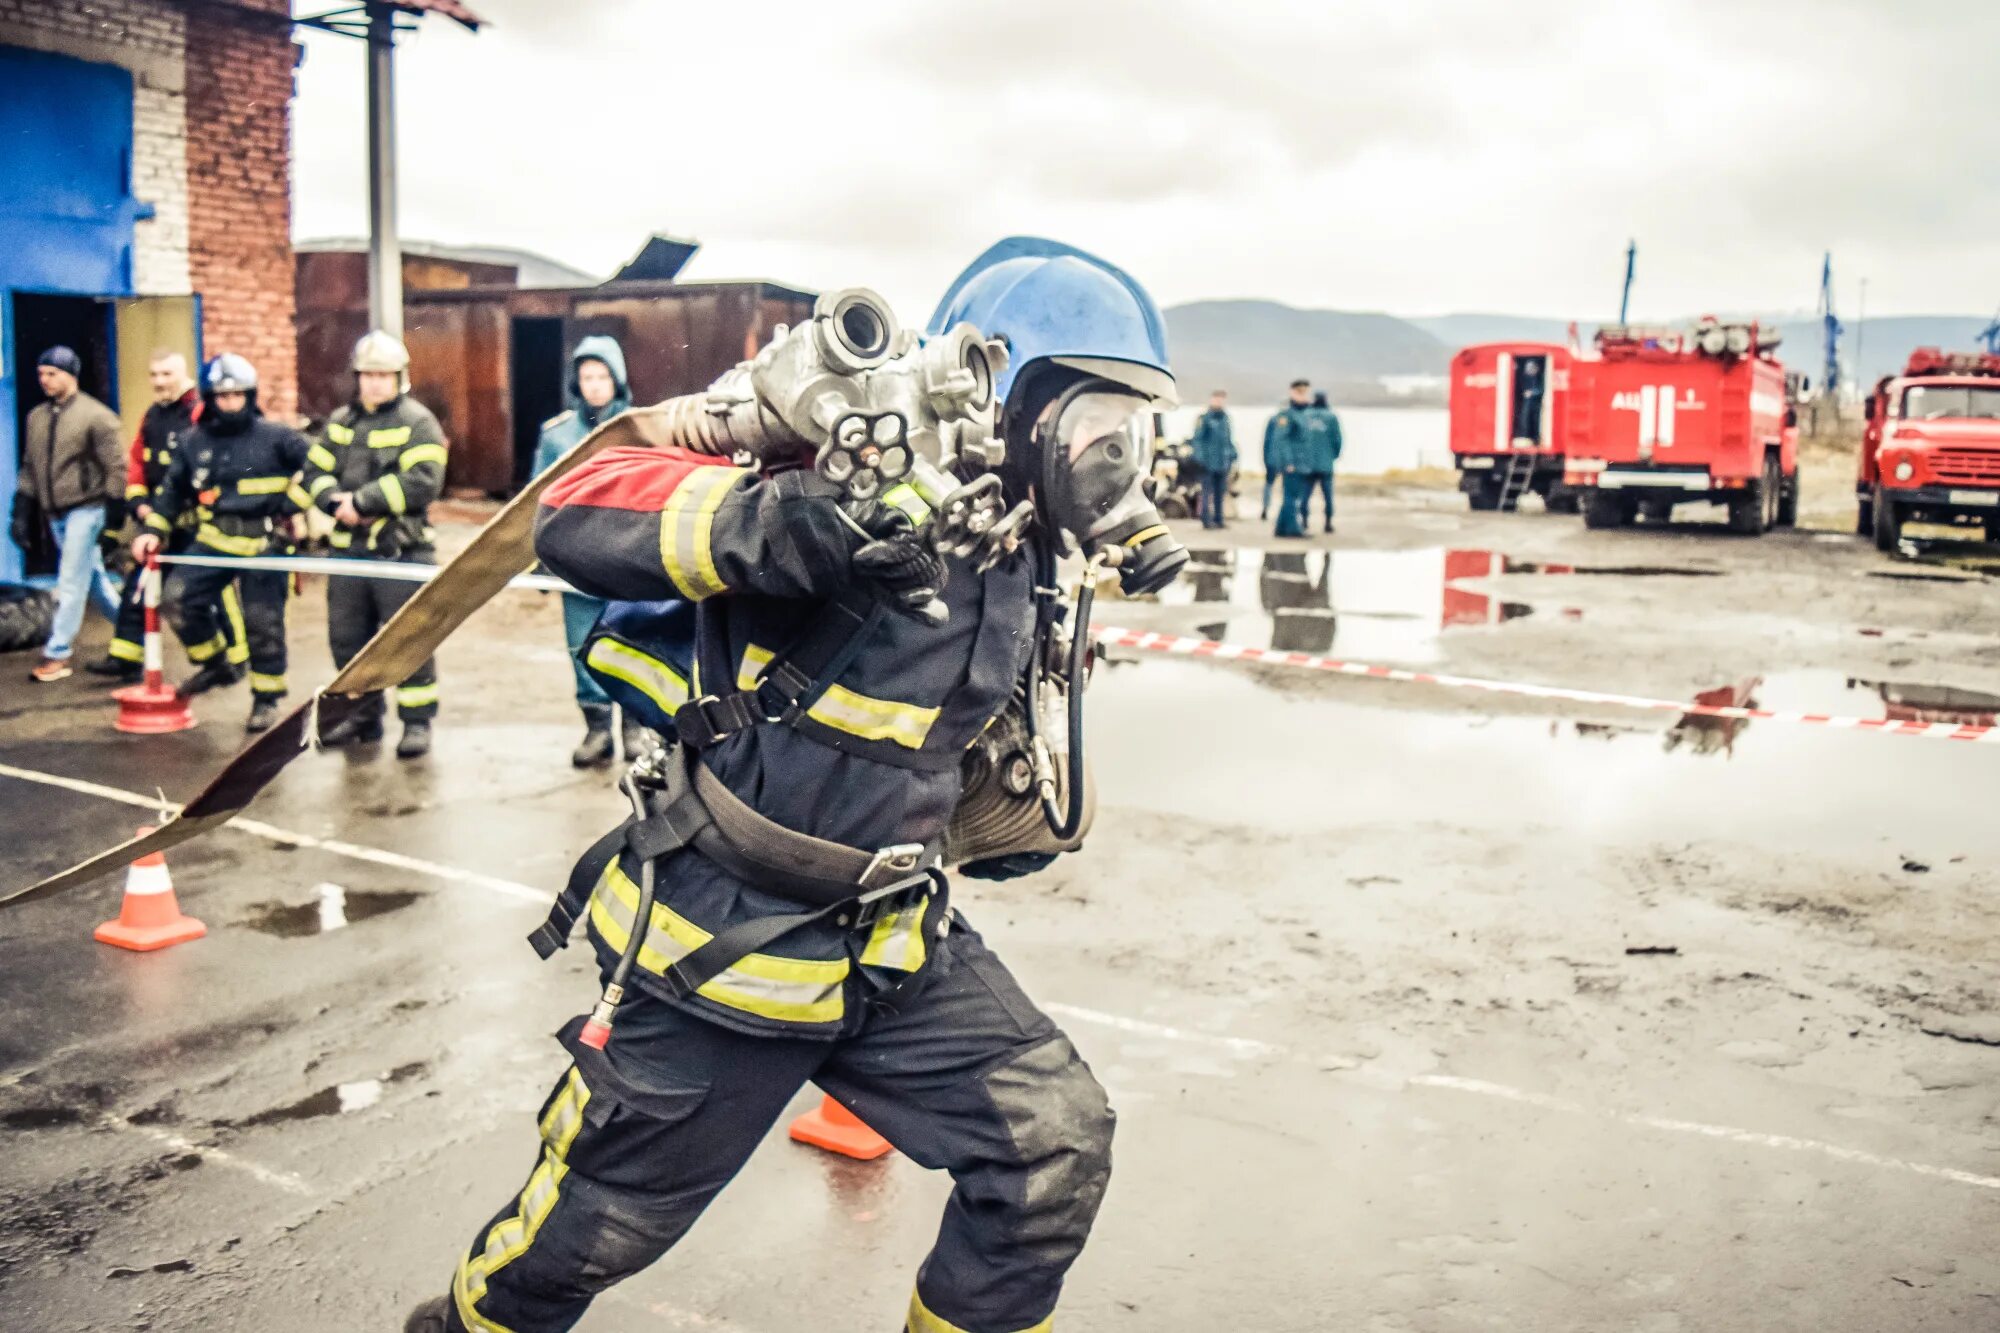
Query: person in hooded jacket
x=598 y=391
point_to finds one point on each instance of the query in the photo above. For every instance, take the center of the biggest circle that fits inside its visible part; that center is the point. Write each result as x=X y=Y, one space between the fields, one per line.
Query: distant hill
x=1255 y=348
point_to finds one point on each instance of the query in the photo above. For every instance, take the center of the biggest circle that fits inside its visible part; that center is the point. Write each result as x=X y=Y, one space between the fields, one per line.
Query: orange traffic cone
x=835 y=1128
x=150 y=918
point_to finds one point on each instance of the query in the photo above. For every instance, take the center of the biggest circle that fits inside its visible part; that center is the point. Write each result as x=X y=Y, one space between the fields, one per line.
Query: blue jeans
x=579 y=614
x=1307 y=482
x=80 y=577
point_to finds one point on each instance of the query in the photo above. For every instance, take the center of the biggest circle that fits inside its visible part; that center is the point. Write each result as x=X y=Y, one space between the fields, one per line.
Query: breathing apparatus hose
x=1064 y=816
x=597 y=1030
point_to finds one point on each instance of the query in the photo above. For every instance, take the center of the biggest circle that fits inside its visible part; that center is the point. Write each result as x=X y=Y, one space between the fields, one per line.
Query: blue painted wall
x=66 y=206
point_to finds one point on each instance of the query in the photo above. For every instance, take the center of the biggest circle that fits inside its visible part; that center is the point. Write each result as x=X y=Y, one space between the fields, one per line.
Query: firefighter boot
x=213 y=675
x=116 y=668
x=416 y=741
x=263 y=712
x=595 y=748
x=434 y=1316
x=354 y=729
x=636 y=739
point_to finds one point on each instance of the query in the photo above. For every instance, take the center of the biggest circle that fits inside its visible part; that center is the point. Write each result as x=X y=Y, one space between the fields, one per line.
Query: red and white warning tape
x=1177 y=645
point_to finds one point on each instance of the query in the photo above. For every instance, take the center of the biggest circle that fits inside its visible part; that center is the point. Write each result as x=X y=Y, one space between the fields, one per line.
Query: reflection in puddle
x=1386 y=605
x=1305 y=754
x=339 y=1099
x=334 y=908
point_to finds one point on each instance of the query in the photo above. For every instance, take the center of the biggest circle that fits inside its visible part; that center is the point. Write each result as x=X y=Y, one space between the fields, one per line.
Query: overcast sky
x=1419 y=157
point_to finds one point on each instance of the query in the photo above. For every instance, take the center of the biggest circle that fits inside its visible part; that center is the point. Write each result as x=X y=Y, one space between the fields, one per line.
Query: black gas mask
x=1091 y=446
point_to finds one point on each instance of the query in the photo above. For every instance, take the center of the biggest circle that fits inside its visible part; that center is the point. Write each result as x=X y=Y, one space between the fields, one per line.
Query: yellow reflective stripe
x=923 y=1320
x=845 y=710
x=648 y=675
x=265 y=683
x=687 y=527
x=375 y=530
x=416 y=696
x=786 y=990
x=201 y=652
x=159 y=522
x=322 y=484
x=341 y=538
x=420 y=453
x=297 y=495
x=322 y=457
x=389 y=437
x=897 y=940
x=392 y=492
x=904 y=497
x=232 y=611
x=262 y=485
x=873 y=719
x=339 y=434
x=135 y=490
x=1144 y=535
x=124 y=650
x=216 y=539
x=509 y=1239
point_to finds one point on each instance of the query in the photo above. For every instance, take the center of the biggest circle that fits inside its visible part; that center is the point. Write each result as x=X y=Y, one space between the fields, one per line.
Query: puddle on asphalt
x=1390 y=605
x=334 y=908
x=335 y=1099
x=1300 y=755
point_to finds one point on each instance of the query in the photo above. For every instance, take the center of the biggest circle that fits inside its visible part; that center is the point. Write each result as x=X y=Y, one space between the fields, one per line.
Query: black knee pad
x=1060 y=1123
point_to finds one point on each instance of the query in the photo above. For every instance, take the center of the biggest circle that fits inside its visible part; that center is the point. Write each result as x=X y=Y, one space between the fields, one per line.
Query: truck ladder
x=1514 y=484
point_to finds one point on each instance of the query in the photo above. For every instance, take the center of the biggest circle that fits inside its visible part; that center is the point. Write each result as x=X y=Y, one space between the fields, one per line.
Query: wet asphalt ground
x=1423 y=1010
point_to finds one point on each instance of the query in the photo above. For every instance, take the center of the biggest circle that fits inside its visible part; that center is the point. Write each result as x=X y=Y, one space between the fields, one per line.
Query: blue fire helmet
x=228 y=373
x=1053 y=302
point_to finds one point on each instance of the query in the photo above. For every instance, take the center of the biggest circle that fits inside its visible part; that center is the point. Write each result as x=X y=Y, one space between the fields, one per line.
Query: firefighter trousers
x=355 y=609
x=197 y=601
x=968 y=1077
x=128 y=640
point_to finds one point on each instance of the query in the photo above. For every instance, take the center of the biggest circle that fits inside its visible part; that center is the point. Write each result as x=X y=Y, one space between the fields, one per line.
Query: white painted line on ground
x=1501 y=1091
x=1247 y=1046
x=283 y=1180
x=291 y=838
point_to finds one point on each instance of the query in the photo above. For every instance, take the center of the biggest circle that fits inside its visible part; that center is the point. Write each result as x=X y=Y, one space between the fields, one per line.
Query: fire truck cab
x=1509 y=410
x=1930 y=451
x=1679 y=415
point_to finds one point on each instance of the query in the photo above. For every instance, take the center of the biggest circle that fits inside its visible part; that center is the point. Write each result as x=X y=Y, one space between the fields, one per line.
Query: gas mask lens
x=1094 y=451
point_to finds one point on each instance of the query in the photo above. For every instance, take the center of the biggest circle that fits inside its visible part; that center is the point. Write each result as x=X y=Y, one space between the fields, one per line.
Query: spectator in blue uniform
x=1285 y=454
x=1214 y=448
x=1322 y=451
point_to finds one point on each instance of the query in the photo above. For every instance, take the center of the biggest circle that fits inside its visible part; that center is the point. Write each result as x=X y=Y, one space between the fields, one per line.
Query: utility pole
x=385 y=247
x=375 y=22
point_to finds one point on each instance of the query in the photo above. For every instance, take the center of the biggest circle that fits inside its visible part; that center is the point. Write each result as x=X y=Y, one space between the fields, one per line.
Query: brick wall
x=239 y=92
x=159 y=177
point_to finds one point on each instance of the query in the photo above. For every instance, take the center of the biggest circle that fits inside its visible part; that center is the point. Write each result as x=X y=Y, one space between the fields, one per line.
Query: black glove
x=21 y=527
x=1012 y=865
x=905 y=567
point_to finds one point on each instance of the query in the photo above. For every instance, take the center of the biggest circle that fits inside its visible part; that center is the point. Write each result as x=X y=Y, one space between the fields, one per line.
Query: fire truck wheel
x=1607 y=511
x=1864 y=517
x=1888 y=524
x=1788 y=503
x=1657 y=511
x=1562 y=500
x=1485 y=496
x=1753 y=512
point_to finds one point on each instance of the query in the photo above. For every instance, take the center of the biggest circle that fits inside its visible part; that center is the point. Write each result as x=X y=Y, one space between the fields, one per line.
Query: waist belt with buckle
x=692 y=808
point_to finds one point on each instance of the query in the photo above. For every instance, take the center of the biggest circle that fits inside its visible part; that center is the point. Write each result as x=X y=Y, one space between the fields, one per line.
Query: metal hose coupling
x=856 y=392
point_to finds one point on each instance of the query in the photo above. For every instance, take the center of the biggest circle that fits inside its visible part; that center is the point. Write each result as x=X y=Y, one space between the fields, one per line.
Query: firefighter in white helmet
x=375 y=469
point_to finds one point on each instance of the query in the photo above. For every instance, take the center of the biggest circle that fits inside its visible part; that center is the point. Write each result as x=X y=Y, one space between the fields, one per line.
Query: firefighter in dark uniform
x=238 y=474
x=169 y=420
x=376 y=468
x=892 y=1004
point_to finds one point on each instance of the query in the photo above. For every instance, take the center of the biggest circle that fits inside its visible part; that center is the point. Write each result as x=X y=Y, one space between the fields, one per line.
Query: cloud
x=1419 y=157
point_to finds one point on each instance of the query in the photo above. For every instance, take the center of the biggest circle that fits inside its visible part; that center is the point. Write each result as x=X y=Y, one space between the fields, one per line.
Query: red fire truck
x=1679 y=415
x=1509 y=410
x=1930 y=452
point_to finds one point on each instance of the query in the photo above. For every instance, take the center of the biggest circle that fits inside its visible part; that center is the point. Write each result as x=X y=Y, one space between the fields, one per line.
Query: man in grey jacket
x=73 y=467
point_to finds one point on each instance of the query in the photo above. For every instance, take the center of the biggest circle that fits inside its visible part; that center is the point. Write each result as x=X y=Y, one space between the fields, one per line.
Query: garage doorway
x=538 y=374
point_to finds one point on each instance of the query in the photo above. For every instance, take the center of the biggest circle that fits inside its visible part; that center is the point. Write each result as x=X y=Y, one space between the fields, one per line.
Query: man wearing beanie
x=72 y=466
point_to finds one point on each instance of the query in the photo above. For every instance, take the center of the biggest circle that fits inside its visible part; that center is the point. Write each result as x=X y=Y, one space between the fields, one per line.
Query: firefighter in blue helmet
x=786 y=883
x=597 y=393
